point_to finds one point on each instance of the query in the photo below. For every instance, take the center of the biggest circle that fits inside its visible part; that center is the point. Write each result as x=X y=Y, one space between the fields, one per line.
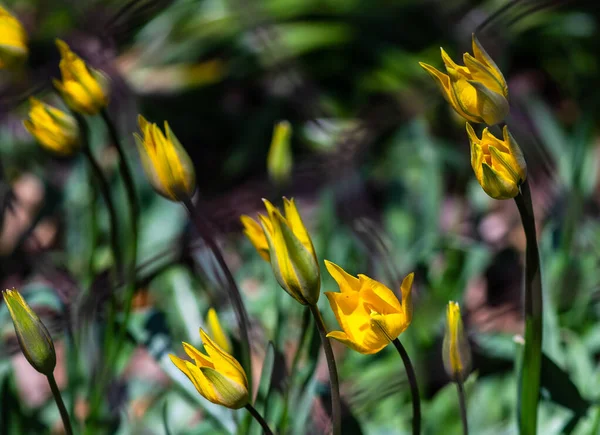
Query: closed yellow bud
x=217 y=375
x=166 y=163
x=476 y=91
x=369 y=313
x=499 y=165
x=54 y=129
x=456 y=352
x=215 y=329
x=34 y=339
x=13 y=40
x=279 y=160
x=291 y=252
x=84 y=89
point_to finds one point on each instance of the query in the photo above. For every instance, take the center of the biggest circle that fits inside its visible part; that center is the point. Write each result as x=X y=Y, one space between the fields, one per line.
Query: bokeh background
x=381 y=174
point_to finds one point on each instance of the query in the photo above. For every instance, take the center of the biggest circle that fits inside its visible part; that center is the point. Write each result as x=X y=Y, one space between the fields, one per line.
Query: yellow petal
x=406 y=289
x=343 y=338
x=440 y=78
x=199 y=358
x=297 y=226
x=217 y=331
x=351 y=316
x=496 y=186
x=256 y=235
x=345 y=281
x=482 y=56
x=382 y=299
x=223 y=362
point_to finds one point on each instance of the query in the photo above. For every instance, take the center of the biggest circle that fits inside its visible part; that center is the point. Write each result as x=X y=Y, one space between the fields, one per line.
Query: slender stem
x=305 y=330
x=414 y=387
x=266 y=429
x=234 y=292
x=64 y=415
x=529 y=383
x=336 y=414
x=463 y=406
x=127 y=176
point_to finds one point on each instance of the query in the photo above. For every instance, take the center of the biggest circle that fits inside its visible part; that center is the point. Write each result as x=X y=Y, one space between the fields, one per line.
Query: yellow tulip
x=279 y=159
x=166 y=163
x=54 y=129
x=476 y=91
x=215 y=329
x=217 y=375
x=291 y=252
x=368 y=312
x=85 y=90
x=499 y=165
x=34 y=339
x=456 y=352
x=256 y=235
x=13 y=40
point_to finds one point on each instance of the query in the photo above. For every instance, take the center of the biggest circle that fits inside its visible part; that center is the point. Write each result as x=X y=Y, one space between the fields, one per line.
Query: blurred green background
x=382 y=177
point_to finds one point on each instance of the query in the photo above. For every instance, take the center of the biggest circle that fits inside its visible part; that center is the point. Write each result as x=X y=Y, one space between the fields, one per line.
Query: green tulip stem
x=463 y=406
x=252 y=410
x=414 y=387
x=529 y=382
x=234 y=292
x=127 y=176
x=336 y=415
x=64 y=415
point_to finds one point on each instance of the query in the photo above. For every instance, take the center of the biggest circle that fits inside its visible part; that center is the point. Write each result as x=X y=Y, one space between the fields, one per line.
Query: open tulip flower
x=285 y=242
x=13 y=40
x=499 y=165
x=165 y=161
x=217 y=375
x=369 y=313
x=476 y=91
x=85 y=90
x=55 y=130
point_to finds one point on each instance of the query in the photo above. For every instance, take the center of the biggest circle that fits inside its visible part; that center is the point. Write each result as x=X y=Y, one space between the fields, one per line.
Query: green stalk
x=64 y=415
x=306 y=331
x=104 y=188
x=414 y=387
x=336 y=415
x=234 y=291
x=127 y=176
x=529 y=383
x=463 y=406
x=266 y=429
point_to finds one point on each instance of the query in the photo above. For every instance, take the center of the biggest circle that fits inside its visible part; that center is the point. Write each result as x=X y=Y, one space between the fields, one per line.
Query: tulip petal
x=345 y=281
x=216 y=330
x=496 y=186
x=481 y=73
x=382 y=299
x=464 y=71
x=228 y=392
x=199 y=358
x=502 y=164
x=406 y=289
x=351 y=316
x=492 y=106
x=222 y=361
x=297 y=226
x=516 y=154
x=343 y=338
x=482 y=56
x=256 y=235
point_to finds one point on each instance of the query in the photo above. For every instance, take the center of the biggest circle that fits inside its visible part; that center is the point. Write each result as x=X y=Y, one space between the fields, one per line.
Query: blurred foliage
x=381 y=174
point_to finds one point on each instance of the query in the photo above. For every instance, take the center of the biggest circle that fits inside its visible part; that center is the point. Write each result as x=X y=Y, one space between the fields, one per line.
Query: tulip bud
x=217 y=375
x=456 y=352
x=84 y=89
x=279 y=160
x=13 y=40
x=54 y=129
x=292 y=255
x=499 y=165
x=215 y=329
x=34 y=339
x=476 y=91
x=166 y=163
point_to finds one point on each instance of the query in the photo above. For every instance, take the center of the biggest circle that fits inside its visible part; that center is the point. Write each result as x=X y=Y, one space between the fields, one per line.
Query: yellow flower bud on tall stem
x=37 y=346
x=457 y=356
